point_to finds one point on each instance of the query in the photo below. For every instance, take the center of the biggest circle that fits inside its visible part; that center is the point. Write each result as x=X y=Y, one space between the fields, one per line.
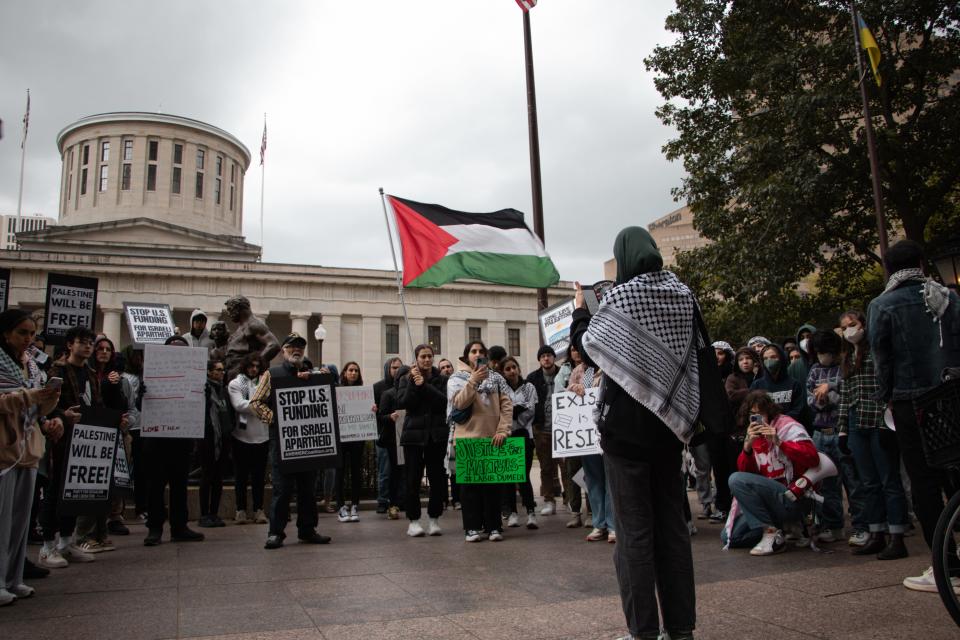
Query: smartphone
x=593 y=294
x=482 y=361
x=756 y=418
x=54 y=383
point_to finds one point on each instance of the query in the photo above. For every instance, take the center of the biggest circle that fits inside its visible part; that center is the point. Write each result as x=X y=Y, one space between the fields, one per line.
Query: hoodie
x=203 y=340
x=737 y=384
x=785 y=391
x=800 y=369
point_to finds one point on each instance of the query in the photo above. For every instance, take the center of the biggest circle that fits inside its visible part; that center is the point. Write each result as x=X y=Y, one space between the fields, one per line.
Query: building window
x=177 y=154
x=219 y=166
x=86 y=154
x=198 y=187
x=103 y=177
x=125 y=177
x=83 y=181
x=127 y=150
x=513 y=342
x=216 y=190
x=231 y=197
x=175 y=182
x=392 y=338
x=177 y=173
x=233 y=178
x=69 y=174
x=151 y=177
x=433 y=338
x=474 y=334
x=153 y=150
x=200 y=154
x=105 y=151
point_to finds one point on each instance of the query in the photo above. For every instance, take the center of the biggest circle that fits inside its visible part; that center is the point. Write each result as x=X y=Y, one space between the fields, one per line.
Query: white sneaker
x=415 y=529
x=6 y=598
x=344 y=514
x=260 y=517
x=51 y=559
x=433 y=527
x=691 y=528
x=927 y=583
x=859 y=538
x=772 y=542
x=354 y=516
x=513 y=520
x=22 y=591
x=828 y=535
x=532 y=520
x=73 y=553
x=240 y=518
x=473 y=536
x=548 y=509
x=575 y=522
x=495 y=536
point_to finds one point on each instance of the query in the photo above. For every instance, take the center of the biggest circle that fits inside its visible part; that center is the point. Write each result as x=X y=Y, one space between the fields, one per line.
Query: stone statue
x=251 y=335
x=220 y=335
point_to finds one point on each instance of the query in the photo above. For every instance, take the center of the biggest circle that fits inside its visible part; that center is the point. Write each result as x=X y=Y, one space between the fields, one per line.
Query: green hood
x=635 y=252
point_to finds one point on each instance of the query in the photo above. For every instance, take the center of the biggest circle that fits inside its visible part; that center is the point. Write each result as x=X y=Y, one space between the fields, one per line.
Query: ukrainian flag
x=869 y=45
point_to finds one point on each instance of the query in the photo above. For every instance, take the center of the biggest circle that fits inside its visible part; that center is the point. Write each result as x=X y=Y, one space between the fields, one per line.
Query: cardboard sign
x=174 y=403
x=4 y=289
x=122 y=480
x=479 y=462
x=71 y=302
x=355 y=413
x=574 y=432
x=88 y=468
x=148 y=323
x=306 y=422
x=555 y=326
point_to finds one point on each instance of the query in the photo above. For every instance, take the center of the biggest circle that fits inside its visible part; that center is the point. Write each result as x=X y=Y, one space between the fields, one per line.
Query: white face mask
x=853 y=334
x=804 y=344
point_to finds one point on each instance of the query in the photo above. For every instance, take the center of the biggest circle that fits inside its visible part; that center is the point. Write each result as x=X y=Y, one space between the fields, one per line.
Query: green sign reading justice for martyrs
x=479 y=462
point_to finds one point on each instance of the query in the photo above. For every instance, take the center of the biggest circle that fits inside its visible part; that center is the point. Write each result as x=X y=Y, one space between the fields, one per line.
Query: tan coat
x=492 y=413
x=12 y=405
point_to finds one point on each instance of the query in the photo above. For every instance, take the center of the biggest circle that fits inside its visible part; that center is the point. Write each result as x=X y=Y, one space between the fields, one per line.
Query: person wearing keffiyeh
x=643 y=339
x=914 y=333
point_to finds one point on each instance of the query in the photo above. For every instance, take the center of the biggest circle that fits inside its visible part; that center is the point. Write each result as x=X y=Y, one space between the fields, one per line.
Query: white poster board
x=306 y=423
x=148 y=323
x=358 y=422
x=574 y=431
x=90 y=463
x=555 y=325
x=173 y=402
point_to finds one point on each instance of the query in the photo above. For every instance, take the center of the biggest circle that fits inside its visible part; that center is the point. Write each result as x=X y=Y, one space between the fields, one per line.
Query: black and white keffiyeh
x=643 y=338
x=936 y=297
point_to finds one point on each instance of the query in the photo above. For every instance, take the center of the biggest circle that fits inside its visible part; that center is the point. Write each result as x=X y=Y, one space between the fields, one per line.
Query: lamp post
x=320 y=333
x=946 y=259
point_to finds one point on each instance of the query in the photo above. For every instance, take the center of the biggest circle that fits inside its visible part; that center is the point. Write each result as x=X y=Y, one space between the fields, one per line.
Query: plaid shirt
x=857 y=392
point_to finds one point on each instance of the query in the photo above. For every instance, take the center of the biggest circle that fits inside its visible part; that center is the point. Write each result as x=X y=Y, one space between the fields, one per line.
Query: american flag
x=263 y=142
x=526 y=5
x=26 y=121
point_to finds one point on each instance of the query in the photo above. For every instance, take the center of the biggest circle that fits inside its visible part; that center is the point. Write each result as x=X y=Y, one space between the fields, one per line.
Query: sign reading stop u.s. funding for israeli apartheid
x=307 y=427
x=149 y=323
x=71 y=302
x=479 y=462
x=574 y=431
x=88 y=466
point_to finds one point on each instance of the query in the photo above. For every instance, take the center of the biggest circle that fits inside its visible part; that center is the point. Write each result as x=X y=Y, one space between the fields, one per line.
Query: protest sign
x=88 y=467
x=149 y=323
x=355 y=413
x=479 y=462
x=574 y=431
x=555 y=325
x=306 y=422
x=122 y=481
x=71 y=302
x=174 y=403
x=4 y=289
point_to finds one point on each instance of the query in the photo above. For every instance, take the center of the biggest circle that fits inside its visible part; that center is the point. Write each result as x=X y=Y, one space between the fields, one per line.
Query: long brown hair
x=851 y=358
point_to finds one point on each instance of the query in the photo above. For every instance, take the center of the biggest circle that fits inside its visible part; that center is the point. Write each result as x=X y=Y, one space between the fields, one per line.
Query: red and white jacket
x=790 y=459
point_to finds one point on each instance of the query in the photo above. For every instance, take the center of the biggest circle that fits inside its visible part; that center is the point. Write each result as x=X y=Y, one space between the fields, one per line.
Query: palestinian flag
x=441 y=245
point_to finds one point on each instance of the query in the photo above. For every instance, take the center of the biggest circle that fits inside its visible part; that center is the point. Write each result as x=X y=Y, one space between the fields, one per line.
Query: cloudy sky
x=424 y=98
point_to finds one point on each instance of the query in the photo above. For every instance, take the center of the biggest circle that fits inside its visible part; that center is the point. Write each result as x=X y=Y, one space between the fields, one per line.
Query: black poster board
x=4 y=289
x=308 y=433
x=122 y=482
x=71 y=302
x=87 y=472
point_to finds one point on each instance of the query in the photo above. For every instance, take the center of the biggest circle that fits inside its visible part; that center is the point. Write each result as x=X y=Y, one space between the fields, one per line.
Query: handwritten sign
x=479 y=462
x=148 y=323
x=71 y=302
x=555 y=325
x=306 y=422
x=355 y=411
x=88 y=466
x=574 y=432
x=174 y=403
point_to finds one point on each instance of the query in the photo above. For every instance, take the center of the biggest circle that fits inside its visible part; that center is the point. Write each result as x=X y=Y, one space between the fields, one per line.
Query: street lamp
x=947 y=261
x=320 y=333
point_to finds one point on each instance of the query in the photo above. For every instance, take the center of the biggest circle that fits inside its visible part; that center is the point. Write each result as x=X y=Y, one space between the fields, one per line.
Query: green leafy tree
x=765 y=101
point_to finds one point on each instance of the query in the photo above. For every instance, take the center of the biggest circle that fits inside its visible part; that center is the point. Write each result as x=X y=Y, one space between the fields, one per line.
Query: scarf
x=13 y=380
x=936 y=297
x=643 y=338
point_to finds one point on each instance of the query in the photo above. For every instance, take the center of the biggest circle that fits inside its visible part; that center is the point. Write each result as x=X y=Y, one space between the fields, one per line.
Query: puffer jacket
x=426 y=407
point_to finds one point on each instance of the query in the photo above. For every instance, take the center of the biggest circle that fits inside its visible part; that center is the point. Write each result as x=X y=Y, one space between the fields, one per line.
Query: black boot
x=875 y=544
x=895 y=549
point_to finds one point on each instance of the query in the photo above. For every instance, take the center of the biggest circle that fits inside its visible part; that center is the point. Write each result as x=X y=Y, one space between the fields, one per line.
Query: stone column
x=112 y=324
x=331 y=344
x=531 y=346
x=496 y=333
x=370 y=335
x=298 y=323
x=456 y=339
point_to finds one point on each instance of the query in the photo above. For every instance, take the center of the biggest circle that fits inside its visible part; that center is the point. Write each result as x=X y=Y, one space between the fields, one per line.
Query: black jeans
x=430 y=457
x=304 y=483
x=211 y=477
x=168 y=463
x=140 y=481
x=652 y=556
x=481 y=507
x=724 y=451
x=250 y=465
x=352 y=454
x=509 y=504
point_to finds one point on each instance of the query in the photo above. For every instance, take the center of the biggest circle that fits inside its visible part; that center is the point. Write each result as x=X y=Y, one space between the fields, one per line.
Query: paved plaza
x=375 y=583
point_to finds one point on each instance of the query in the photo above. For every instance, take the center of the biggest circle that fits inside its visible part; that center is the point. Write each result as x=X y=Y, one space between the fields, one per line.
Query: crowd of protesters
x=827 y=411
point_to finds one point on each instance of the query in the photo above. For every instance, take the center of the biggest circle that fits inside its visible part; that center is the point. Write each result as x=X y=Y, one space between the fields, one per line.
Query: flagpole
x=871 y=143
x=23 y=158
x=535 y=187
x=263 y=173
x=396 y=269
